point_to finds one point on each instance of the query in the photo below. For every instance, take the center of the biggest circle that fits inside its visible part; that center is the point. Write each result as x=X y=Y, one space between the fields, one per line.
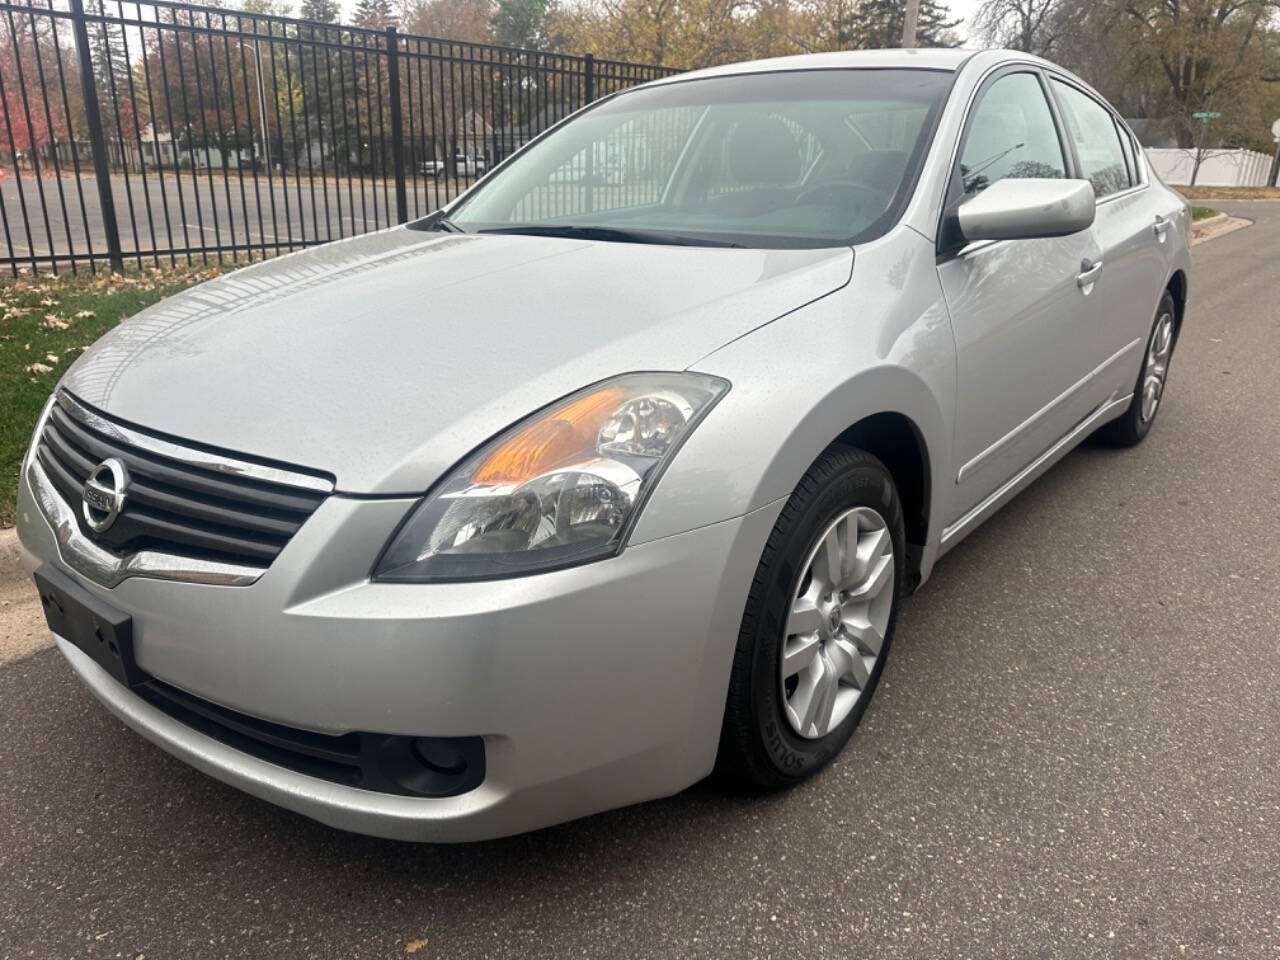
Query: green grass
x=46 y=323
x=1203 y=213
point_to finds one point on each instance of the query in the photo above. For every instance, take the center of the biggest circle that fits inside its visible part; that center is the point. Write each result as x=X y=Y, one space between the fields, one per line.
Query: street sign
x=1207 y=115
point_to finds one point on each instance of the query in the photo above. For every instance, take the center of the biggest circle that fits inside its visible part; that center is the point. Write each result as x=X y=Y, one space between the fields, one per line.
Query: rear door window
x=1096 y=139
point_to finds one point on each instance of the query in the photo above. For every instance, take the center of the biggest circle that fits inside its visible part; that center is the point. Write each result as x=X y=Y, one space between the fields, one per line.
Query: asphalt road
x=201 y=210
x=1075 y=753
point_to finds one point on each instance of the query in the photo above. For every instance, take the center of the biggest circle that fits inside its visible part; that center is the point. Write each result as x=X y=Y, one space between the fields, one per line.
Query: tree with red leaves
x=29 y=61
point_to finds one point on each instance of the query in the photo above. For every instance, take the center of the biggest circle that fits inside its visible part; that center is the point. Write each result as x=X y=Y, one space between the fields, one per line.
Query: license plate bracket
x=98 y=629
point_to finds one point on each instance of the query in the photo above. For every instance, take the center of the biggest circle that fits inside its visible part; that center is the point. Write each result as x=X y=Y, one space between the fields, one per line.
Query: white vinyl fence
x=1218 y=168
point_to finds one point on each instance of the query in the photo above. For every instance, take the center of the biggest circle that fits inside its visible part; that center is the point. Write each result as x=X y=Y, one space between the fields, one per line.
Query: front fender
x=881 y=344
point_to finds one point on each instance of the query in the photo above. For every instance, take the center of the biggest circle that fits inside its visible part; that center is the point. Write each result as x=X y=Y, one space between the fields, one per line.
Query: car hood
x=384 y=359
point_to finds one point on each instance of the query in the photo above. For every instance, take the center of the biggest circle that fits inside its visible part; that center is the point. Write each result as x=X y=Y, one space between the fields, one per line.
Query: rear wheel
x=818 y=623
x=1129 y=429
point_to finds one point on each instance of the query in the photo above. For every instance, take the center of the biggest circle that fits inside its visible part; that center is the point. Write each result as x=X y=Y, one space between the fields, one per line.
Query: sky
x=965 y=9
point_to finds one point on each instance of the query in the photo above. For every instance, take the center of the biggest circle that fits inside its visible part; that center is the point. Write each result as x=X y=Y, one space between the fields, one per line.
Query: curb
x=1218 y=226
x=1205 y=201
x=11 y=569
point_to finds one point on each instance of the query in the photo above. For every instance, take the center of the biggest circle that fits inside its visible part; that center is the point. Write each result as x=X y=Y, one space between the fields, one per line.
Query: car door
x=1015 y=305
x=1132 y=233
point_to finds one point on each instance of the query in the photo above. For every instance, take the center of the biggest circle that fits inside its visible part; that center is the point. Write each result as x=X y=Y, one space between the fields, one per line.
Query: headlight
x=559 y=488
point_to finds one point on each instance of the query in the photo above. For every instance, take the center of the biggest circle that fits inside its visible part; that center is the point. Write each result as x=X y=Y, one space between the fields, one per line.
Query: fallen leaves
x=82 y=303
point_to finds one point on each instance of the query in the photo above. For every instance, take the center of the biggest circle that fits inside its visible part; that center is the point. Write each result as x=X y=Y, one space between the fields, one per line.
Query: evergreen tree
x=110 y=60
x=525 y=23
x=374 y=14
x=877 y=24
x=276 y=8
x=321 y=11
x=111 y=76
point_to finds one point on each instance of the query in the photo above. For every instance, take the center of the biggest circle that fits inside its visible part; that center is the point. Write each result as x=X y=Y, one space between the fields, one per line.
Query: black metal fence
x=154 y=132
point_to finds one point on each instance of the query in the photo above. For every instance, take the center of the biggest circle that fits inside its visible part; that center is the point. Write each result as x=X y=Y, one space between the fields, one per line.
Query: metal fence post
x=397 y=125
x=588 y=79
x=98 y=144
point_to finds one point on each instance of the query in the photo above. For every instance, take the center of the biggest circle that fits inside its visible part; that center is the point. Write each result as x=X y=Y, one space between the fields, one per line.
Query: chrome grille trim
x=103 y=567
x=190 y=515
x=218 y=463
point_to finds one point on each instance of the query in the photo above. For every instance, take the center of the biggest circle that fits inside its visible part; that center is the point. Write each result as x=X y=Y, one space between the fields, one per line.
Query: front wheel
x=818 y=623
x=1132 y=426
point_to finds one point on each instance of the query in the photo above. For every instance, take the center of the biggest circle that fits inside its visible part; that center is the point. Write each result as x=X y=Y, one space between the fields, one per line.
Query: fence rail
x=154 y=131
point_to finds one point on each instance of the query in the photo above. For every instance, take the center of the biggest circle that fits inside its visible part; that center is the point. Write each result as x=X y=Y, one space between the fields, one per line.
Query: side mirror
x=1015 y=209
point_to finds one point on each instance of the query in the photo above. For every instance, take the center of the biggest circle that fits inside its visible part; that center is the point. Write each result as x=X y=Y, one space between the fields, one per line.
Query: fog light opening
x=441 y=756
x=432 y=766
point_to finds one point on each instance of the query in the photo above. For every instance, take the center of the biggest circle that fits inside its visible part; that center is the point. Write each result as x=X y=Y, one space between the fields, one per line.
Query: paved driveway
x=1075 y=753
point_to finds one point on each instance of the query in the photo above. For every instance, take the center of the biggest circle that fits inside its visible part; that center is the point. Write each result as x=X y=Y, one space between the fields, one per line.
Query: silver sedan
x=615 y=472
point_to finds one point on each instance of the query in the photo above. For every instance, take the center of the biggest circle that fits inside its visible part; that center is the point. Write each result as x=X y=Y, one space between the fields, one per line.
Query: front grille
x=411 y=766
x=171 y=506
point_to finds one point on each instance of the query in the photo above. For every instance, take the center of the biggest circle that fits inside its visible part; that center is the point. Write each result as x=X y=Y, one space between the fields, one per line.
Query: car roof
x=950 y=59
x=928 y=58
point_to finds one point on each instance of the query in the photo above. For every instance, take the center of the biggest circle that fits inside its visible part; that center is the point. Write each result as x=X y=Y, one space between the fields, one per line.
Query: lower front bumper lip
x=469 y=816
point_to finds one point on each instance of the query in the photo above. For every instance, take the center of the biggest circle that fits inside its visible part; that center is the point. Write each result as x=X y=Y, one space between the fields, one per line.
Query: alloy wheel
x=838 y=620
x=1156 y=370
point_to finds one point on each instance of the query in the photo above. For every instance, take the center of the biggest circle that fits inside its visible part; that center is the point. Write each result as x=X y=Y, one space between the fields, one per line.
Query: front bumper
x=592 y=687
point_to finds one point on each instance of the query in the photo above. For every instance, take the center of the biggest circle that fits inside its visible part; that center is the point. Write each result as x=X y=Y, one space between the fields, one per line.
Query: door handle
x=1089 y=270
x=1161 y=227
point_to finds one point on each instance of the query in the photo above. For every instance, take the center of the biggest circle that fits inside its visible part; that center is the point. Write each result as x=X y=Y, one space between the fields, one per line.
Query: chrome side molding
x=1032 y=470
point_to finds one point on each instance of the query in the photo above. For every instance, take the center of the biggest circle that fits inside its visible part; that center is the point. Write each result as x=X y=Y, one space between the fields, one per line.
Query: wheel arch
x=897 y=442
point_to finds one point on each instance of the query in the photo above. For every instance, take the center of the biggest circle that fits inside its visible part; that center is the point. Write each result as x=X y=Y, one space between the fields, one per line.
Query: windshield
x=794 y=159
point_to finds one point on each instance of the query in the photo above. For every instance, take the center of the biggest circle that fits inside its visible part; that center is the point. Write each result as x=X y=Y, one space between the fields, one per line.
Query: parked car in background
x=564 y=496
x=607 y=163
x=464 y=165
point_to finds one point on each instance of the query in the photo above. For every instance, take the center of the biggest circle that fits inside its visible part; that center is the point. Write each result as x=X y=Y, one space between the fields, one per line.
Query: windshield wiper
x=445 y=225
x=611 y=234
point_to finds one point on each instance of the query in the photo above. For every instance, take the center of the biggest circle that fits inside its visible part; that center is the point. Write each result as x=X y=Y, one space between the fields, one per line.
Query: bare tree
x=1033 y=26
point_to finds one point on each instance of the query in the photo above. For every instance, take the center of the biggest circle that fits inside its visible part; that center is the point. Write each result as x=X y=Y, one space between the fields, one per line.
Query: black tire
x=758 y=748
x=1129 y=429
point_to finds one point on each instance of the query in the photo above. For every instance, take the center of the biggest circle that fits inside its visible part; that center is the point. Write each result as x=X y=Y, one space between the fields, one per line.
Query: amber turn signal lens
x=550 y=440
